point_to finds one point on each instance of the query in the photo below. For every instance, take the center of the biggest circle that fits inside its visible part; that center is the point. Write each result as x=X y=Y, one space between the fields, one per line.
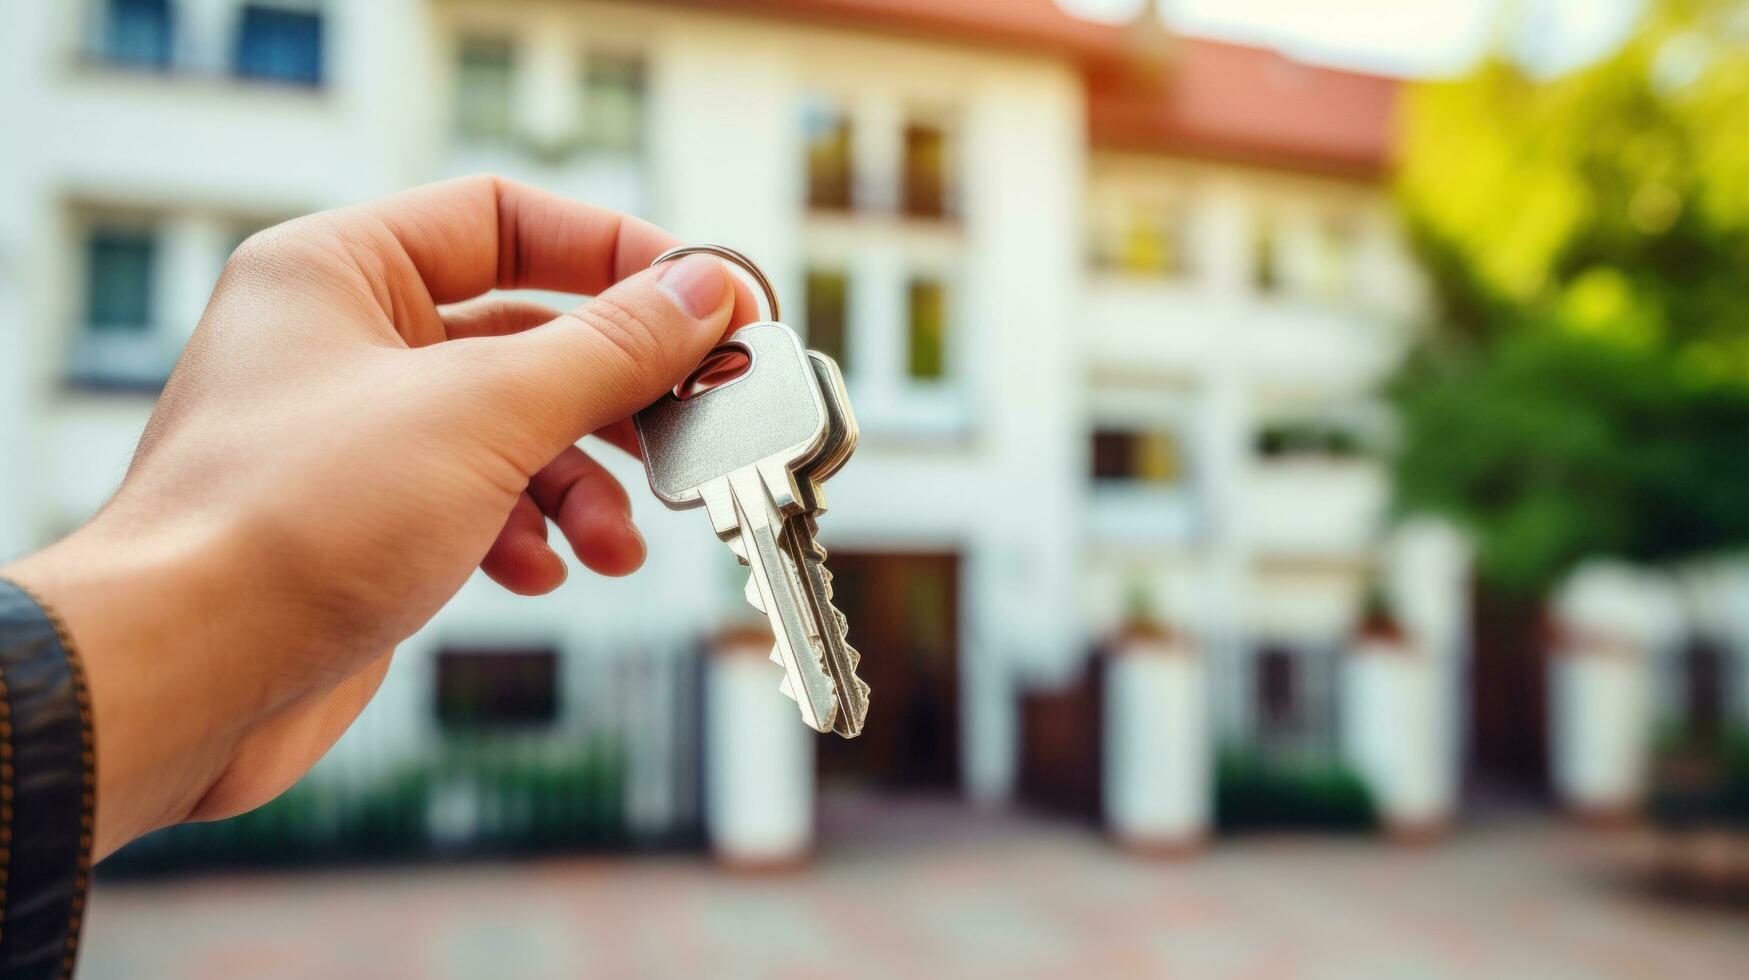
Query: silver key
x=734 y=449
x=799 y=537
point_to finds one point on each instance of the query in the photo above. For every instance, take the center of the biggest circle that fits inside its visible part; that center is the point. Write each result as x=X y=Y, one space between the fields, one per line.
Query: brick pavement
x=926 y=889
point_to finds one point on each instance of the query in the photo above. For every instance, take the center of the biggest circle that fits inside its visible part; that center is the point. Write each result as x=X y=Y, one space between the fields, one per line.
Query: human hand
x=338 y=448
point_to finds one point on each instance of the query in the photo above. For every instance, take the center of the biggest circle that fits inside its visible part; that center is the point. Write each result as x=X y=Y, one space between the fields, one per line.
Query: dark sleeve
x=47 y=791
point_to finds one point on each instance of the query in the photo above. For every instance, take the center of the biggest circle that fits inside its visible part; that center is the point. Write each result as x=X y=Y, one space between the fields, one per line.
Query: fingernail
x=696 y=284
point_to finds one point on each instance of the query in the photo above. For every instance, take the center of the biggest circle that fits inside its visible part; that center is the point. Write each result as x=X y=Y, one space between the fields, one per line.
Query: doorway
x=1508 y=697
x=904 y=619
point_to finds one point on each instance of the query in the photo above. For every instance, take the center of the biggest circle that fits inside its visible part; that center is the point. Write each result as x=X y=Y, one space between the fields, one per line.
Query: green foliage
x=1614 y=199
x=1701 y=783
x=528 y=796
x=1256 y=792
x=1554 y=448
x=1586 y=389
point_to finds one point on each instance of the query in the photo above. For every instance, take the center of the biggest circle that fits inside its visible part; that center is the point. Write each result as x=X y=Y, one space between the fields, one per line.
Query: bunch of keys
x=753 y=452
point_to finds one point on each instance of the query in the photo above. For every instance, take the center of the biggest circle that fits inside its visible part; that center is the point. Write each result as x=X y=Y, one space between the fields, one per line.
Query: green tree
x=1585 y=390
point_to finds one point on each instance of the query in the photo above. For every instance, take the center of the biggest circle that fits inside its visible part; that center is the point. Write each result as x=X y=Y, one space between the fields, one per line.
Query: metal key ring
x=725 y=252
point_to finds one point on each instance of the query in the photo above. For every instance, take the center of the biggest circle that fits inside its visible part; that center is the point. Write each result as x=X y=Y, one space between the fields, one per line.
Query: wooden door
x=904 y=619
x=1508 y=695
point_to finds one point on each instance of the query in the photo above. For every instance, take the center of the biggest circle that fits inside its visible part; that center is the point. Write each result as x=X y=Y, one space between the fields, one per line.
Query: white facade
x=986 y=451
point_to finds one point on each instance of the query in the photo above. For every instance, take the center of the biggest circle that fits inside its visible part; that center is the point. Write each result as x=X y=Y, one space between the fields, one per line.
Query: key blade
x=841 y=658
x=782 y=596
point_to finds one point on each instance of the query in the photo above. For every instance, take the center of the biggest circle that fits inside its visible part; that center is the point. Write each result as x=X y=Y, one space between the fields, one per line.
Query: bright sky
x=1403 y=37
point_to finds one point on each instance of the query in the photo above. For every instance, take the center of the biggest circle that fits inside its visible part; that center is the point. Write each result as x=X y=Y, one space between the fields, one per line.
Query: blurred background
x=1305 y=448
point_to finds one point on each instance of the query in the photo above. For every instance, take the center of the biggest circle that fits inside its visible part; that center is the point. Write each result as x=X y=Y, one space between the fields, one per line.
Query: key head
x=772 y=411
x=842 y=433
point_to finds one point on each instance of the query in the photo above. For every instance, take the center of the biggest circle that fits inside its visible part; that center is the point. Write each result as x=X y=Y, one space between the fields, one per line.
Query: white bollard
x=1611 y=617
x=1395 y=734
x=1158 y=773
x=1601 y=727
x=759 y=760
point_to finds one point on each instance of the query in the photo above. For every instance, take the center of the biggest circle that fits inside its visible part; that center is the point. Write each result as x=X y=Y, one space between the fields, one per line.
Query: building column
x=547 y=82
x=1223 y=449
x=205 y=35
x=195 y=246
x=1222 y=444
x=1426 y=576
x=877 y=148
x=759 y=760
x=1612 y=621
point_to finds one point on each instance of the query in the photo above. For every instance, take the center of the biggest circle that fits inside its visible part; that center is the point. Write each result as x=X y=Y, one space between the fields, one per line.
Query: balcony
x=1185 y=330
x=1314 y=508
x=207 y=138
x=201 y=100
x=1141 y=514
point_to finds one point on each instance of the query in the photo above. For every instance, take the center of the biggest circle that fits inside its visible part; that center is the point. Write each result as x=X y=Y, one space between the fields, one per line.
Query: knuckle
x=276 y=252
x=631 y=335
x=259 y=251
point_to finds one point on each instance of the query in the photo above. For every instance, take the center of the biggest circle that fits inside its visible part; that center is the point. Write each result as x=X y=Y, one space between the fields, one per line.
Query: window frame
x=504 y=130
x=947 y=128
x=948 y=368
x=106 y=50
x=521 y=712
x=314 y=16
x=590 y=58
x=841 y=196
x=844 y=355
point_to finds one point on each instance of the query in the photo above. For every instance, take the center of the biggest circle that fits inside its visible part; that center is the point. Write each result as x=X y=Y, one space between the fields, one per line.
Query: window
x=1142 y=240
x=613 y=101
x=278 y=45
x=928 y=330
x=1706 y=685
x=1277 y=694
x=497 y=688
x=1334 y=269
x=826 y=131
x=926 y=171
x=119 y=345
x=1130 y=456
x=1308 y=439
x=1265 y=256
x=828 y=298
x=484 y=99
x=118 y=286
x=138 y=32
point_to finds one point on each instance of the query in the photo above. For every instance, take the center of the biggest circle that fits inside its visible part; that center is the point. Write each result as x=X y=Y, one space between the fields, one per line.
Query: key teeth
x=845 y=725
x=815 y=646
x=854 y=657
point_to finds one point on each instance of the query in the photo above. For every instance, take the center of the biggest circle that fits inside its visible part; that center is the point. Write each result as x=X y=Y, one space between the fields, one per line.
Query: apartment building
x=1111 y=305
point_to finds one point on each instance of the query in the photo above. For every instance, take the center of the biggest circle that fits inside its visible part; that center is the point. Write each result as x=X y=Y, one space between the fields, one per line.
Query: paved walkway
x=927 y=889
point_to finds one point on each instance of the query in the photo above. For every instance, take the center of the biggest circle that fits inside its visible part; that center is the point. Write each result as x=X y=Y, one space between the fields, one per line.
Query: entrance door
x=1508 y=696
x=904 y=619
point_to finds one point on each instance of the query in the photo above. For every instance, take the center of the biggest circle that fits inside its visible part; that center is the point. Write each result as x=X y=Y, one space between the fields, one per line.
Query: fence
x=623 y=773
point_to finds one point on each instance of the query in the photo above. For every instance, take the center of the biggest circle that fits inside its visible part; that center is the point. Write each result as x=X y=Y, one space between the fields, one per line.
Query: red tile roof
x=1247 y=104
x=1194 y=97
x=1037 y=24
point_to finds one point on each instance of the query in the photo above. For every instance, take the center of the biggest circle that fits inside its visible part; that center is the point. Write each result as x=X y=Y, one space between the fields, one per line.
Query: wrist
x=170 y=693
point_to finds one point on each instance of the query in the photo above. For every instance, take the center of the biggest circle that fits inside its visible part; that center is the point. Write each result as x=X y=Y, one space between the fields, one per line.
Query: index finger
x=469 y=235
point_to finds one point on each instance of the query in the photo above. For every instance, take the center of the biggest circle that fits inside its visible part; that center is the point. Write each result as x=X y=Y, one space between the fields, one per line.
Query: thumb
x=550 y=386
